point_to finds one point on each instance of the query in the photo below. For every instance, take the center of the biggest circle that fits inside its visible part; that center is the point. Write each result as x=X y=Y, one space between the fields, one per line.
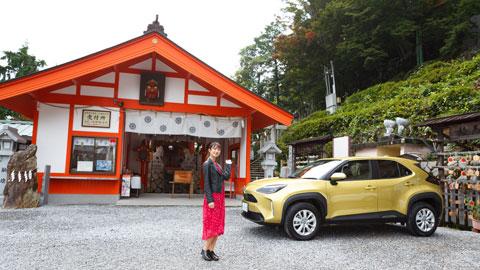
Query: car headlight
x=269 y=189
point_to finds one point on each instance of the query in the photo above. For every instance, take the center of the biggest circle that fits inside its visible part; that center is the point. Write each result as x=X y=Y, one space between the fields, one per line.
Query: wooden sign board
x=92 y=118
x=465 y=131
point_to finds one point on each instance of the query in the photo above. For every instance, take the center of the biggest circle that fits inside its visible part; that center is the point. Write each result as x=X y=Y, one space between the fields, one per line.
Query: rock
x=21 y=187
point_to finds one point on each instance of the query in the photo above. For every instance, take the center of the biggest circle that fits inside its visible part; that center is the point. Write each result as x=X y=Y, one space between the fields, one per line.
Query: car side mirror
x=337 y=176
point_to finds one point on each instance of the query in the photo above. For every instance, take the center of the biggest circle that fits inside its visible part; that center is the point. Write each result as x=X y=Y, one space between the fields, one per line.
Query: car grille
x=249 y=197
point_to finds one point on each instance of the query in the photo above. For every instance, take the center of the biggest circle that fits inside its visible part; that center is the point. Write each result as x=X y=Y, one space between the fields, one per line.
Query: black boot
x=213 y=255
x=206 y=255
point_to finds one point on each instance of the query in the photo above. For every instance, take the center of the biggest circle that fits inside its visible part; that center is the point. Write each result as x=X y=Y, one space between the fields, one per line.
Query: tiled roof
x=24 y=128
x=453 y=119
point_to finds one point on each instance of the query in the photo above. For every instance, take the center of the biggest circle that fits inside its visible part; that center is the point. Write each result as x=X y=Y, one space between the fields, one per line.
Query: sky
x=61 y=31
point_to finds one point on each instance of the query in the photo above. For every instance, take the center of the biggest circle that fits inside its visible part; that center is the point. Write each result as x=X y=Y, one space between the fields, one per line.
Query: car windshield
x=316 y=169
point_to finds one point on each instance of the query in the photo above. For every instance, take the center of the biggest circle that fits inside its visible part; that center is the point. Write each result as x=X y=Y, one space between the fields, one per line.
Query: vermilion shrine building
x=91 y=115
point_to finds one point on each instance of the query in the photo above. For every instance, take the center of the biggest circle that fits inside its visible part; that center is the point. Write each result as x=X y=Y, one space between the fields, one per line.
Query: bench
x=182 y=177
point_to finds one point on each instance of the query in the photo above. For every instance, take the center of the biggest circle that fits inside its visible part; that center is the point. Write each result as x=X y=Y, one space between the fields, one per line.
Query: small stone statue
x=402 y=125
x=188 y=163
x=389 y=125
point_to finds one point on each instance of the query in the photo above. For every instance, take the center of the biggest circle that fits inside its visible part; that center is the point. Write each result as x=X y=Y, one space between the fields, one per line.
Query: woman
x=214 y=202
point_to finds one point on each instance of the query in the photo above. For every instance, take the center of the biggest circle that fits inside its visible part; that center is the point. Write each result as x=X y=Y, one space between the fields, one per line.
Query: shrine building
x=144 y=107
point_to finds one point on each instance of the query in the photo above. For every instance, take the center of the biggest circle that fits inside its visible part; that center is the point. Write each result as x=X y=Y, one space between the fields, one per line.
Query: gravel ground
x=112 y=237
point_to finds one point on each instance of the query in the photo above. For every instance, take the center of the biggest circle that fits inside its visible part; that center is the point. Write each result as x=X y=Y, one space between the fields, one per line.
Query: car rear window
x=404 y=171
x=388 y=169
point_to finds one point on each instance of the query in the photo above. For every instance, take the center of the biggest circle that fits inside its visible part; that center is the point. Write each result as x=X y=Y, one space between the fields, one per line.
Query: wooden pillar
x=440 y=148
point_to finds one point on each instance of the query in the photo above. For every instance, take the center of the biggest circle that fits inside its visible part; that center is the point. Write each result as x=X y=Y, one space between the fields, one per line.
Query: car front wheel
x=422 y=220
x=302 y=221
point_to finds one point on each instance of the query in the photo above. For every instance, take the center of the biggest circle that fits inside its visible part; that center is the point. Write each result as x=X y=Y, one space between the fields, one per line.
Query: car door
x=355 y=195
x=394 y=184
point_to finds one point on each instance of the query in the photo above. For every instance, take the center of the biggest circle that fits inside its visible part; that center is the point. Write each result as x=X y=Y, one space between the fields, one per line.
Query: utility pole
x=330 y=90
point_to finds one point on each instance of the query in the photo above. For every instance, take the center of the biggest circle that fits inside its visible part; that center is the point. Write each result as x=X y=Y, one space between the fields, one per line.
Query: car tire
x=422 y=219
x=302 y=221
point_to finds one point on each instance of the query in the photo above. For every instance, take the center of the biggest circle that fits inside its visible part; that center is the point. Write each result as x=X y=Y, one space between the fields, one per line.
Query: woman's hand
x=211 y=205
x=228 y=161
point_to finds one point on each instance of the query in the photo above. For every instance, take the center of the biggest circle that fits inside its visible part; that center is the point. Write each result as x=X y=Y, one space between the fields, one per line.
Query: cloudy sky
x=60 y=31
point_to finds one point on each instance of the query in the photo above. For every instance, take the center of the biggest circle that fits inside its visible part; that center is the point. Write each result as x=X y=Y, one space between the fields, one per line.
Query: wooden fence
x=457 y=198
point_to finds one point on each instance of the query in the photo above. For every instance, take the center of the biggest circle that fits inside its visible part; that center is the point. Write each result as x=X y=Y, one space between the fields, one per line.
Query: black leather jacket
x=212 y=179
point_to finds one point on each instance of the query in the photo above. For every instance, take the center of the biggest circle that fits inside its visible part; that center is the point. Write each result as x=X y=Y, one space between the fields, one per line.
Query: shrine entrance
x=155 y=158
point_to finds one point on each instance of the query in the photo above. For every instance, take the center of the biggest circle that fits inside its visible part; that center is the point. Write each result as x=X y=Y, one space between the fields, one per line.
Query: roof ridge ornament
x=155 y=26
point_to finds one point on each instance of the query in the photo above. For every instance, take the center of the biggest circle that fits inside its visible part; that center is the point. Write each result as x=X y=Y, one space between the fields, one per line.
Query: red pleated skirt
x=214 y=219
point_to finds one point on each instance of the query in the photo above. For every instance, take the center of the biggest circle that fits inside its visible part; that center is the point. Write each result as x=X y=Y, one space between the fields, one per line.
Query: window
x=404 y=171
x=7 y=145
x=316 y=169
x=93 y=155
x=388 y=169
x=356 y=170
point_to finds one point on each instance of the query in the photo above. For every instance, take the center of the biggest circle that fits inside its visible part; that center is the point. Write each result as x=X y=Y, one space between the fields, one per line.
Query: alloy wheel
x=425 y=220
x=304 y=222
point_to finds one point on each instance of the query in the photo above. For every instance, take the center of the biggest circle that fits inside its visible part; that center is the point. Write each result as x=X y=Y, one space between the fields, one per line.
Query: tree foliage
x=18 y=64
x=260 y=69
x=369 y=41
x=435 y=90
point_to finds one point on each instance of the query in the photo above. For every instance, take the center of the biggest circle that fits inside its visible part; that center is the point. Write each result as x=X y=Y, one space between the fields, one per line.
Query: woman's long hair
x=210 y=146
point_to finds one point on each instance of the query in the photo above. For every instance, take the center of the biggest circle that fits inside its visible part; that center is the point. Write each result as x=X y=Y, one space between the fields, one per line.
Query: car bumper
x=260 y=209
x=255 y=217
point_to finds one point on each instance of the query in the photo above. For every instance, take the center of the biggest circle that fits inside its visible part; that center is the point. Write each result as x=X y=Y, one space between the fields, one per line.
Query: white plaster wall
x=160 y=66
x=226 y=103
x=202 y=100
x=107 y=78
x=96 y=91
x=114 y=120
x=192 y=85
x=52 y=137
x=174 y=90
x=70 y=90
x=129 y=85
x=146 y=65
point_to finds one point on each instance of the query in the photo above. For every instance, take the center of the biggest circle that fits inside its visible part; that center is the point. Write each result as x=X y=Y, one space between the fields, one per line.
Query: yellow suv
x=372 y=189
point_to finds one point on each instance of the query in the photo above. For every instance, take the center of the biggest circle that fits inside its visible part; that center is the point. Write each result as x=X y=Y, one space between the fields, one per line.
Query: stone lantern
x=9 y=142
x=269 y=150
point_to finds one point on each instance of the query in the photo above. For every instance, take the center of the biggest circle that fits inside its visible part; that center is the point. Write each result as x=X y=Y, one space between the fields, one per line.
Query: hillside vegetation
x=434 y=90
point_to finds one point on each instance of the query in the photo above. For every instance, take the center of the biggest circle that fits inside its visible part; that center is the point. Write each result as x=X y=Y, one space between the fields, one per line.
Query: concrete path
x=164 y=199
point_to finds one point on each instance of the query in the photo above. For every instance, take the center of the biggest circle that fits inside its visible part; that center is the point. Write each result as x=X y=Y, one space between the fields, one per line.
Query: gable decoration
x=152 y=88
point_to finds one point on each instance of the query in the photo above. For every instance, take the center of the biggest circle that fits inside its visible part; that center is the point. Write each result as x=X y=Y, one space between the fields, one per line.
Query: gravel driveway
x=109 y=237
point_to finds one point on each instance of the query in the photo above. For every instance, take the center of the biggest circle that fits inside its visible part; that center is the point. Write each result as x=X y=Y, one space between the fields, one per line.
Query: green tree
x=260 y=71
x=370 y=41
x=18 y=64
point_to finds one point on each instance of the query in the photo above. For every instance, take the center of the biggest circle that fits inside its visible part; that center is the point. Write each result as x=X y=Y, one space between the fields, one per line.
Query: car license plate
x=245 y=207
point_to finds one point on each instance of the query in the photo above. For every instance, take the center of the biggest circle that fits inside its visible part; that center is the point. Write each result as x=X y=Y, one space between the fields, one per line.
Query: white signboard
x=341 y=147
x=85 y=166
